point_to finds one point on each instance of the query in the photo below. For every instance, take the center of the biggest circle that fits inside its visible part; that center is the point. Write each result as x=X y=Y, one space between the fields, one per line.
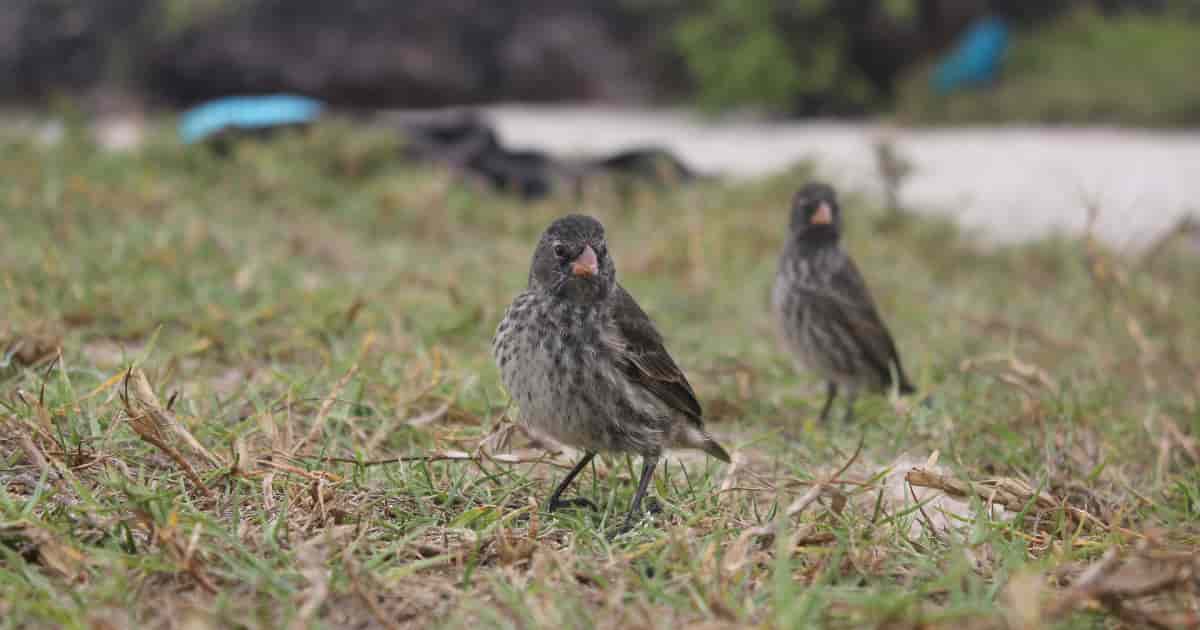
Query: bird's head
x=571 y=260
x=816 y=215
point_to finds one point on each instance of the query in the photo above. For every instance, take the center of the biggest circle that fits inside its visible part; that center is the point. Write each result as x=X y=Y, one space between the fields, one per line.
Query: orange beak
x=823 y=215
x=586 y=264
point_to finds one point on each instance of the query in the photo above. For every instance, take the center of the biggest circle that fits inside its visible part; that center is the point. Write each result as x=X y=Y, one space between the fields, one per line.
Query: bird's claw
x=653 y=507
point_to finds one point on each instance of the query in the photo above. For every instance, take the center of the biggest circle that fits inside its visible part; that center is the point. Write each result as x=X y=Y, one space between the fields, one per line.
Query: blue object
x=246 y=112
x=976 y=59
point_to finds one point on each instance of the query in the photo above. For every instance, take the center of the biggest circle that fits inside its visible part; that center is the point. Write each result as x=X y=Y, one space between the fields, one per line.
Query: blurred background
x=727 y=86
x=1125 y=61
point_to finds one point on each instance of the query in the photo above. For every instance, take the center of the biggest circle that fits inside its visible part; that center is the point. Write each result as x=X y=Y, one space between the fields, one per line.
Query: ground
x=1006 y=183
x=256 y=391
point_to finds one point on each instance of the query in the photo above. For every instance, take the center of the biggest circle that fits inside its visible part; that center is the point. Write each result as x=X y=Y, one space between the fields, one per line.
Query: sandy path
x=1008 y=183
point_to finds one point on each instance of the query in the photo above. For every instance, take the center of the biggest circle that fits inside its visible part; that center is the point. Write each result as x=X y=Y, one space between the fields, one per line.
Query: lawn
x=256 y=390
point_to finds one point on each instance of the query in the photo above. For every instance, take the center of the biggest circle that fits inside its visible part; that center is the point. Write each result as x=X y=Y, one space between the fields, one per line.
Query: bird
x=823 y=310
x=587 y=367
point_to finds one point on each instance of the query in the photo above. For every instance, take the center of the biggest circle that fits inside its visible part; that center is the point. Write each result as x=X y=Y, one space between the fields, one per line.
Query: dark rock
x=466 y=142
x=653 y=164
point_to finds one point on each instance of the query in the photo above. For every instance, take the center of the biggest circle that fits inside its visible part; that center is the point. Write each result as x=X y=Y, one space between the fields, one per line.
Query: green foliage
x=172 y=17
x=903 y=9
x=738 y=55
x=781 y=56
x=1136 y=69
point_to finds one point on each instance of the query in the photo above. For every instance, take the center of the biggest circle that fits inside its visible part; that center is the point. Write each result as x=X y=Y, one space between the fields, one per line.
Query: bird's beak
x=823 y=215
x=586 y=264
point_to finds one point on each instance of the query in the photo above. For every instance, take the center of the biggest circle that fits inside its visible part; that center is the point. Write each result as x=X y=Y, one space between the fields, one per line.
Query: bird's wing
x=848 y=305
x=641 y=356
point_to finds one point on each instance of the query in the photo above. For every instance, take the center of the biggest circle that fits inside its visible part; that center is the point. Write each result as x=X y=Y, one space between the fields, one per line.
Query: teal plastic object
x=977 y=58
x=246 y=112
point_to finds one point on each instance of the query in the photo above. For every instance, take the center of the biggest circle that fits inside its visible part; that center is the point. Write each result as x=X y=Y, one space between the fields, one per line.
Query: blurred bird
x=823 y=310
x=587 y=367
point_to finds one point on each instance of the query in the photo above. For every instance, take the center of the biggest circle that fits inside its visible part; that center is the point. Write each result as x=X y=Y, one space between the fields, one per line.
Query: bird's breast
x=557 y=368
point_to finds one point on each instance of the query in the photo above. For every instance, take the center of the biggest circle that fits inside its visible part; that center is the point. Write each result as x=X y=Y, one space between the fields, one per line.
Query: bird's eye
x=560 y=250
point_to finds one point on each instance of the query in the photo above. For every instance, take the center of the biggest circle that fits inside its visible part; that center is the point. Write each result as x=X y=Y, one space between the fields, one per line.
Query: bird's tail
x=693 y=435
x=905 y=387
x=711 y=447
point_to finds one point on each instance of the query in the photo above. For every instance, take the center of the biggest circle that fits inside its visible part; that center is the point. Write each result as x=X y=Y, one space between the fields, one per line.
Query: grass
x=316 y=317
x=1084 y=69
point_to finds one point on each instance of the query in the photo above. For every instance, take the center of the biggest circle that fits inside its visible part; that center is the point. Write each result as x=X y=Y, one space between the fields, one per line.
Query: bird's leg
x=850 y=398
x=831 y=392
x=556 y=502
x=648 y=464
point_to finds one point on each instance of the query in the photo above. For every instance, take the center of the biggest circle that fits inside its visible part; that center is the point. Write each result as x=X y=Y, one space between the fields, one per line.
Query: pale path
x=1008 y=183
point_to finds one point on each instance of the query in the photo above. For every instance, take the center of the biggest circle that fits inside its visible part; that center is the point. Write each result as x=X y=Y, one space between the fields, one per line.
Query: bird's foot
x=653 y=507
x=621 y=530
x=576 y=502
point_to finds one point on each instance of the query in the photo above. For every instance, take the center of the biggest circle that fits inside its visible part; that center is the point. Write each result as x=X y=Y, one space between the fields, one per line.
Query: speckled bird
x=823 y=310
x=586 y=366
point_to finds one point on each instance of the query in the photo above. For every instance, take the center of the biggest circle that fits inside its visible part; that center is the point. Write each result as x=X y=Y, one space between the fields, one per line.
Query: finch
x=586 y=366
x=823 y=310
